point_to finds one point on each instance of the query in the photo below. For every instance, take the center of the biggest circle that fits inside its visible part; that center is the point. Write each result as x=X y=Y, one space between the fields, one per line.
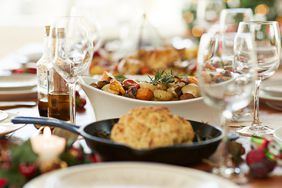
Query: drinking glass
x=74 y=50
x=229 y=22
x=227 y=84
x=266 y=38
x=208 y=12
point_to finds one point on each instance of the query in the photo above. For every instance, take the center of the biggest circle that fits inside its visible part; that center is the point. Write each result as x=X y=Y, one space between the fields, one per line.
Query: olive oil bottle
x=58 y=95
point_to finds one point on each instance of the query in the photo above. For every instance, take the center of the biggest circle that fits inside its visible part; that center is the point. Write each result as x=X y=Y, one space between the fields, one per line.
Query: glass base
x=233 y=174
x=242 y=116
x=256 y=130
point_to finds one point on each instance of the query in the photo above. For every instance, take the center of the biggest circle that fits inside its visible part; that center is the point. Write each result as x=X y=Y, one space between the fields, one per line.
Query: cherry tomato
x=130 y=83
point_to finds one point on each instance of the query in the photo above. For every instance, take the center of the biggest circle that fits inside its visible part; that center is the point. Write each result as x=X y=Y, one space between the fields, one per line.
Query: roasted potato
x=162 y=95
x=101 y=84
x=186 y=96
x=193 y=79
x=144 y=94
x=147 y=85
x=106 y=88
x=192 y=89
x=116 y=86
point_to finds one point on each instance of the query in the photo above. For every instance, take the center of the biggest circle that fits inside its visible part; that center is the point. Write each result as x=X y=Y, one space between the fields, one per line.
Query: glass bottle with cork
x=58 y=95
x=42 y=77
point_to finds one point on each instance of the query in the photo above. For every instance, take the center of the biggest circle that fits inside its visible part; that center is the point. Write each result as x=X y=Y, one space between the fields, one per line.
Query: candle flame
x=47 y=131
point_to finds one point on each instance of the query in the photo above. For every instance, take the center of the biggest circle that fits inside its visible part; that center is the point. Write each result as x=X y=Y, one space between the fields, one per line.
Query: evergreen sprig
x=162 y=77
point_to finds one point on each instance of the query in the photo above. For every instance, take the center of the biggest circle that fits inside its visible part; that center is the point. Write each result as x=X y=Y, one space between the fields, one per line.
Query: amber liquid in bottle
x=59 y=106
x=43 y=107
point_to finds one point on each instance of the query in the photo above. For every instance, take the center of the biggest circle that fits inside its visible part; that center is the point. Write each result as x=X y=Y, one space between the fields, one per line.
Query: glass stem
x=224 y=154
x=256 y=120
x=72 y=101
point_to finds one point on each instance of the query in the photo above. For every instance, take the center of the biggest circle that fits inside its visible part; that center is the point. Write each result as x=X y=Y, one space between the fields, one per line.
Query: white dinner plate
x=17 y=82
x=129 y=175
x=271 y=95
x=6 y=127
x=3 y=115
x=23 y=95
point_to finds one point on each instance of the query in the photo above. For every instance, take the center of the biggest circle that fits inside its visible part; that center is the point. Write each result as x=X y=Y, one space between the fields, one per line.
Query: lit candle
x=47 y=146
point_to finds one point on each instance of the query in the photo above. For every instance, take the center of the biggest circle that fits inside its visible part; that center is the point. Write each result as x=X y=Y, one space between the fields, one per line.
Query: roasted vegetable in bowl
x=163 y=86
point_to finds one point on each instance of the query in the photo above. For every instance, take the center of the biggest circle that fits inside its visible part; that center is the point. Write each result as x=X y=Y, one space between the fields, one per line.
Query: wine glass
x=208 y=12
x=227 y=84
x=74 y=50
x=229 y=22
x=266 y=38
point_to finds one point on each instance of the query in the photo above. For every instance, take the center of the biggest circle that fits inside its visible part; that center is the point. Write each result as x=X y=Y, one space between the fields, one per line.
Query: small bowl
x=107 y=105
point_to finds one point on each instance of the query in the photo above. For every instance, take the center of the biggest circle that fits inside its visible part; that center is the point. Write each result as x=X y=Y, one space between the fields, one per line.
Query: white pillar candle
x=47 y=146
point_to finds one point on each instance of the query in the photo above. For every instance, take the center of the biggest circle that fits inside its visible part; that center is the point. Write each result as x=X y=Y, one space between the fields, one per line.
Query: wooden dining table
x=268 y=115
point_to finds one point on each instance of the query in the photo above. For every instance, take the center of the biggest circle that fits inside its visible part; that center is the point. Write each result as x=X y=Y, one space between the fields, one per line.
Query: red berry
x=31 y=70
x=28 y=170
x=97 y=54
x=77 y=94
x=258 y=170
x=17 y=71
x=95 y=158
x=3 y=182
x=80 y=109
x=270 y=164
x=83 y=101
x=255 y=156
x=260 y=165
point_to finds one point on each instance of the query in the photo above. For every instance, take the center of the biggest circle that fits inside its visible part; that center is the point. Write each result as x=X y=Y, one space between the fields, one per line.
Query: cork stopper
x=47 y=30
x=60 y=85
x=54 y=32
x=61 y=32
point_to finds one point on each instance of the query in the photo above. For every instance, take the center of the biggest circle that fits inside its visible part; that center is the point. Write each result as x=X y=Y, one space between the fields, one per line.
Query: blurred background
x=22 y=21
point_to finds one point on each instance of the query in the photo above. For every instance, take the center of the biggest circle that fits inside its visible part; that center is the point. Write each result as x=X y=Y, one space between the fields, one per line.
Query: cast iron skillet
x=97 y=137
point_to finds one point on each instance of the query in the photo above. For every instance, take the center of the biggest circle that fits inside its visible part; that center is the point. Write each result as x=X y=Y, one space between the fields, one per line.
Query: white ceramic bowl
x=107 y=105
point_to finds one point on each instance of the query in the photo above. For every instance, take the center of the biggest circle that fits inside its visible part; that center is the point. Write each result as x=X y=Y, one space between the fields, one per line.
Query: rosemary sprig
x=120 y=78
x=162 y=77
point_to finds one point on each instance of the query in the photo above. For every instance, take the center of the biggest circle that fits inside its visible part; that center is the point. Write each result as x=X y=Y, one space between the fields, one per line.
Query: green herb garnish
x=162 y=77
x=120 y=78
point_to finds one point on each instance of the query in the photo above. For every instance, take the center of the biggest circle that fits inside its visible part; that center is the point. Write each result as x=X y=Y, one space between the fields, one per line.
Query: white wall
x=22 y=21
x=14 y=37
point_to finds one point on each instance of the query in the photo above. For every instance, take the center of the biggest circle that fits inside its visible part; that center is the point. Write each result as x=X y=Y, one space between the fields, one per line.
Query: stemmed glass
x=208 y=12
x=266 y=38
x=229 y=22
x=73 y=52
x=226 y=84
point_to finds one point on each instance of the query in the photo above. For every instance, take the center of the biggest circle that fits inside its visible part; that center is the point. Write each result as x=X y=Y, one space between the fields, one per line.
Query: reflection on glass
x=227 y=84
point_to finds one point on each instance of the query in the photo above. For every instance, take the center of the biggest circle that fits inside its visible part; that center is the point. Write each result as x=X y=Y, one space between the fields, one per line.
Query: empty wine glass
x=266 y=38
x=226 y=84
x=74 y=49
x=208 y=12
x=229 y=22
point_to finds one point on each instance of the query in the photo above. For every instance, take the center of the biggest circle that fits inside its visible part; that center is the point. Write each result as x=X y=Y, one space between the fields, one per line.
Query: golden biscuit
x=151 y=127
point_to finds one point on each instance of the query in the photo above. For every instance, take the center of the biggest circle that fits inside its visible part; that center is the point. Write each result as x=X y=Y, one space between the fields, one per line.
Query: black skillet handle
x=46 y=121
